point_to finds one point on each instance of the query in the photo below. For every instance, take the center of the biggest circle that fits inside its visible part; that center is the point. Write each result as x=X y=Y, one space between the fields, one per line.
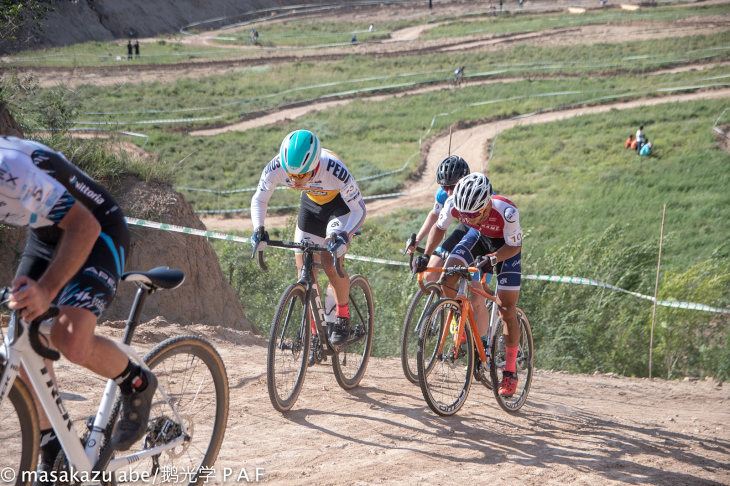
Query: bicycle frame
x=17 y=351
x=467 y=313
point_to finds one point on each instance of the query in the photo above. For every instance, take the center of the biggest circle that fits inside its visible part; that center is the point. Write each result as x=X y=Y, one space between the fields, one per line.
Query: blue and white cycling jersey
x=441 y=198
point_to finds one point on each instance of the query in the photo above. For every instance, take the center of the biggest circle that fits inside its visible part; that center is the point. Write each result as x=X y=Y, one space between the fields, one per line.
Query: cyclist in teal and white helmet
x=331 y=209
x=300 y=152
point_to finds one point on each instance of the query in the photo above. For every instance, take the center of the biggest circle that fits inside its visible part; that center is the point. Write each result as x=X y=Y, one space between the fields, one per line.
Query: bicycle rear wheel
x=194 y=377
x=524 y=366
x=445 y=364
x=420 y=304
x=19 y=434
x=286 y=363
x=351 y=361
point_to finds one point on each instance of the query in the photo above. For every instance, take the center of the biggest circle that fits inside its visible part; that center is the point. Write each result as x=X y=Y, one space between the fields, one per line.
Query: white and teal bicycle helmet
x=300 y=152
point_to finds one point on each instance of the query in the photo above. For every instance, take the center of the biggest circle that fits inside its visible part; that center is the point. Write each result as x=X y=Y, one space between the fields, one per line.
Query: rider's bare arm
x=425 y=228
x=80 y=232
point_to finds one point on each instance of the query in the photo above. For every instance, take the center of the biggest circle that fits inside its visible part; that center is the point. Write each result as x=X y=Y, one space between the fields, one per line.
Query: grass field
x=374 y=137
x=227 y=96
x=524 y=22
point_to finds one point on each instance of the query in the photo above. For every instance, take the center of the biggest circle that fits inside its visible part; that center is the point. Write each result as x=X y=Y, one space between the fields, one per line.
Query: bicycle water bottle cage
x=157 y=278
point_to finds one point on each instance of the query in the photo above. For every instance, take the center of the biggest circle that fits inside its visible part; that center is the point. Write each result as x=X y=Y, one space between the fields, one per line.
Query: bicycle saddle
x=157 y=278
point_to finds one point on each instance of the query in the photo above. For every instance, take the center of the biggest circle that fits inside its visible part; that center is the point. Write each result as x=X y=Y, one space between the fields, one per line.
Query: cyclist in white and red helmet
x=497 y=235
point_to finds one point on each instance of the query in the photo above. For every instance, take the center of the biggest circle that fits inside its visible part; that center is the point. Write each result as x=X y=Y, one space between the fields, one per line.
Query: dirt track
x=574 y=429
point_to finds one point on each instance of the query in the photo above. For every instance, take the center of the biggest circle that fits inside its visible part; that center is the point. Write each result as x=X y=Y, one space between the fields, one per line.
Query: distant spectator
x=354 y=39
x=129 y=50
x=646 y=148
x=640 y=139
x=633 y=144
x=520 y=3
x=136 y=48
x=603 y=3
x=500 y=5
x=629 y=141
x=372 y=28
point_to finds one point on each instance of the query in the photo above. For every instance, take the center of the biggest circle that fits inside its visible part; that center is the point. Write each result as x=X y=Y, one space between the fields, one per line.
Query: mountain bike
x=449 y=355
x=186 y=424
x=299 y=315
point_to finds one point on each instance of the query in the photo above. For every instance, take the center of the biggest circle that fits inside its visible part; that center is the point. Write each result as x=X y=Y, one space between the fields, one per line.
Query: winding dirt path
x=248 y=57
x=470 y=144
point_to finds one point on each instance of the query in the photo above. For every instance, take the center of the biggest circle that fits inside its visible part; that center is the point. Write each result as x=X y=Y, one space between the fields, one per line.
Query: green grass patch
x=224 y=98
x=374 y=137
x=510 y=22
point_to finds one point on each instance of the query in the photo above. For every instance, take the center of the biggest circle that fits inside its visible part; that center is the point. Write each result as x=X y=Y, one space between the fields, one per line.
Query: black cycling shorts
x=95 y=284
x=315 y=219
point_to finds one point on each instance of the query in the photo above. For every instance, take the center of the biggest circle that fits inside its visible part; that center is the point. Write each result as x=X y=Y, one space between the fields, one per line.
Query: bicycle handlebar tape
x=34 y=336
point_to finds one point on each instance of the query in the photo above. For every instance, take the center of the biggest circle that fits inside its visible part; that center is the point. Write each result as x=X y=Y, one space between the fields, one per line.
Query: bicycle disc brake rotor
x=164 y=430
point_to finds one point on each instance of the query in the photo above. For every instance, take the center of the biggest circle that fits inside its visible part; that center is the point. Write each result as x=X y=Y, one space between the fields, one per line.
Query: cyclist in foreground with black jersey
x=74 y=257
x=496 y=218
x=331 y=210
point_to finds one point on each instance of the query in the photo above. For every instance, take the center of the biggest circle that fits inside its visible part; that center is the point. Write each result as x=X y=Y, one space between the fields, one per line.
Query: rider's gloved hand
x=420 y=263
x=338 y=244
x=259 y=239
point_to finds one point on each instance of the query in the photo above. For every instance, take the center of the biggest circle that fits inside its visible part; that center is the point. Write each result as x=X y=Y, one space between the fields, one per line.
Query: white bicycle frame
x=17 y=350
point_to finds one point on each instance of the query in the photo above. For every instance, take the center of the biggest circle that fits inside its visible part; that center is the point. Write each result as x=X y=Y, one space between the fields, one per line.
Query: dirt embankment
x=206 y=297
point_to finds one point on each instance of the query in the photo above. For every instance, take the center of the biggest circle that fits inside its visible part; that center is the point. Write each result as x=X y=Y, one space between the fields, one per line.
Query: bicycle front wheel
x=420 y=304
x=524 y=365
x=286 y=363
x=445 y=362
x=351 y=361
x=192 y=374
x=19 y=434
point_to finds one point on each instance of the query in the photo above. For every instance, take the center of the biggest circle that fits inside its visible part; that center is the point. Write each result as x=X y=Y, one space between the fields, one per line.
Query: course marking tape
x=547 y=278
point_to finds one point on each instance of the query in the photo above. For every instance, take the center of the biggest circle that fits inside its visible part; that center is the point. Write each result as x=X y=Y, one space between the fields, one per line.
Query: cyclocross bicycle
x=420 y=303
x=449 y=355
x=189 y=409
x=298 y=314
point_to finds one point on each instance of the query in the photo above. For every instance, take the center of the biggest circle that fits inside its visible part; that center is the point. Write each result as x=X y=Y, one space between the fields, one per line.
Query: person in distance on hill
x=629 y=141
x=331 y=210
x=74 y=257
x=451 y=170
x=495 y=217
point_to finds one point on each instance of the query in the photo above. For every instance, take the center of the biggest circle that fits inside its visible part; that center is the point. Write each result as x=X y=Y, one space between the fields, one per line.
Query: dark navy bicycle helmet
x=451 y=170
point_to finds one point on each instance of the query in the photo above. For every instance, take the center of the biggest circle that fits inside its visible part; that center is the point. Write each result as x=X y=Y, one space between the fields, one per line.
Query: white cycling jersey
x=28 y=195
x=331 y=178
x=503 y=221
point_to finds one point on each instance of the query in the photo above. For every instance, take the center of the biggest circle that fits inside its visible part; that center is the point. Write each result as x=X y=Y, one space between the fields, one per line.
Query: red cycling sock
x=511 y=359
x=343 y=310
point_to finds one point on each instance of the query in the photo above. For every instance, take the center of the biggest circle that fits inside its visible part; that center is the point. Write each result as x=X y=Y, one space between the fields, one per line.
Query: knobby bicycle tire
x=446 y=380
x=180 y=365
x=351 y=361
x=19 y=433
x=289 y=341
x=525 y=364
x=420 y=303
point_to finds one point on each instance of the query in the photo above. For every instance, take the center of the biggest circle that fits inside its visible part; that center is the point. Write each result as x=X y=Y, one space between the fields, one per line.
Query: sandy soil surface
x=575 y=429
x=469 y=143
